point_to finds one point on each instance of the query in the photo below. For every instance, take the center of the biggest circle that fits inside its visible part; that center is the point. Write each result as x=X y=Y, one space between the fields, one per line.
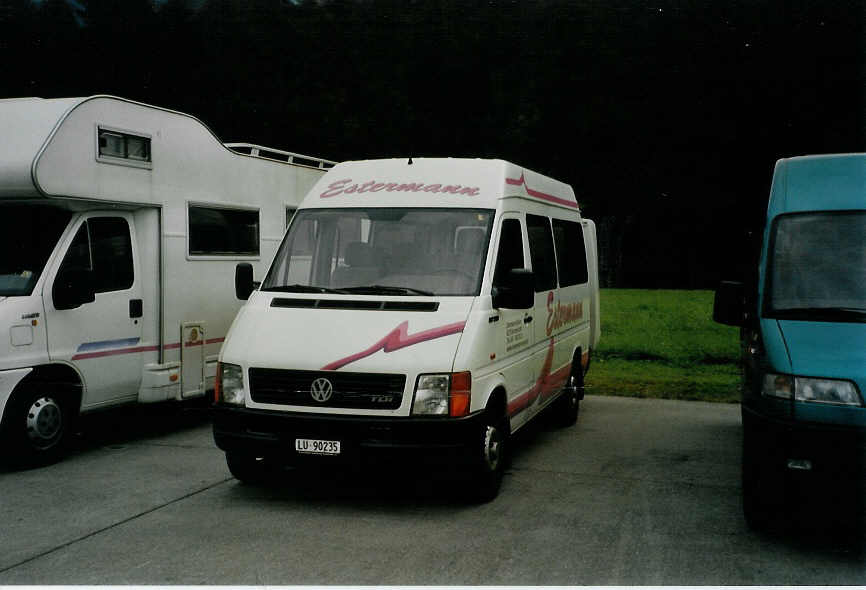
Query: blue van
x=803 y=320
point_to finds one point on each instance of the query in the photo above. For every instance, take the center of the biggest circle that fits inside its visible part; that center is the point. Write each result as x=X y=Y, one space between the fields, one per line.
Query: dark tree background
x=666 y=116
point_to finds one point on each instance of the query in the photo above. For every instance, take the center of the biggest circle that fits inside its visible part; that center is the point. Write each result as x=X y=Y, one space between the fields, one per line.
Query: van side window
x=571 y=253
x=103 y=246
x=215 y=231
x=510 y=254
x=541 y=252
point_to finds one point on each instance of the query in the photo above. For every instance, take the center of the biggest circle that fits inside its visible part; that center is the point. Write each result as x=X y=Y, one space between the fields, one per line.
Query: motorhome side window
x=102 y=245
x=571 y=253
x=541 y=252
x=123 y=148
x=215 y=231
x=510 y=254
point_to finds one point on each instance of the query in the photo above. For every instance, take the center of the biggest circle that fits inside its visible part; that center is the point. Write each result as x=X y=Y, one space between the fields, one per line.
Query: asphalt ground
x=638 y=492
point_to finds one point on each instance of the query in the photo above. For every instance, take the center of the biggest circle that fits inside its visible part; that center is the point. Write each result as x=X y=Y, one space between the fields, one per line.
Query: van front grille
x=333 y=389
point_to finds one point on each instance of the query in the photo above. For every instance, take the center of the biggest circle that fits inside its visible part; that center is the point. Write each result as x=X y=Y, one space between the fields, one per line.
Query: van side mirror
x=517 y=290
x=72 y=288
x=244 y=285
x=729 y=305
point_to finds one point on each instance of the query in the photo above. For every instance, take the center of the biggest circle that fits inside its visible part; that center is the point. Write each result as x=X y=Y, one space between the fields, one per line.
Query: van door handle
x=135 y=308
x=527 y=319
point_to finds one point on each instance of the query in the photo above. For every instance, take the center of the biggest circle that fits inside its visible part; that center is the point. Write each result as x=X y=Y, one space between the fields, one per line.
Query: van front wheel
x=490 y=460
x=248 y=469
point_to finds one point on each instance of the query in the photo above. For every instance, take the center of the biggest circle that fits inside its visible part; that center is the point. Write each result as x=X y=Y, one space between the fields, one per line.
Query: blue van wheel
x=762 y=482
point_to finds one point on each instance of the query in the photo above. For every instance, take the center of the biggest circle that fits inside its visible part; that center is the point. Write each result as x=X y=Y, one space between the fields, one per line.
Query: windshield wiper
x=386 y=290
x=819 y=313
x=302 y=289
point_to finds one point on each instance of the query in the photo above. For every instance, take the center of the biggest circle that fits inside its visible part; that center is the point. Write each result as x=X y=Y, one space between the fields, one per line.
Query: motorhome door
x=93 y=307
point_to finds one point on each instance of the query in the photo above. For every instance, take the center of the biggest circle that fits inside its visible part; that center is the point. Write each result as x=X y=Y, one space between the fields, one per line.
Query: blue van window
x=817 y=267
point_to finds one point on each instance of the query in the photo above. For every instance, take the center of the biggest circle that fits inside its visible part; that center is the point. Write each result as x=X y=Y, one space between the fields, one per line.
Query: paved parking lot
x=639 y=492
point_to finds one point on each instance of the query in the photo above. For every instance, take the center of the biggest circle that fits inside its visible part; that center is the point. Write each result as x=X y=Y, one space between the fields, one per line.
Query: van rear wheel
x=567 y=407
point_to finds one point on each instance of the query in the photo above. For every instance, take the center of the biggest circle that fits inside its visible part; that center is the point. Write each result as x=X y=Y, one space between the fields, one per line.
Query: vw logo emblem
x=321 y=390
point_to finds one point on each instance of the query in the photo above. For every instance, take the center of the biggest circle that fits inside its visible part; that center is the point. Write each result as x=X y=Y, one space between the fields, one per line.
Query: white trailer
x=120 y=228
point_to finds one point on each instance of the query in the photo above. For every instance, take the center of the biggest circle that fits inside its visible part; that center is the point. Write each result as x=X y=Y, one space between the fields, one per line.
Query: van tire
x=36 y=426
x=567 y=407
x=248 y=469
x=762 y=484
x=490 y=459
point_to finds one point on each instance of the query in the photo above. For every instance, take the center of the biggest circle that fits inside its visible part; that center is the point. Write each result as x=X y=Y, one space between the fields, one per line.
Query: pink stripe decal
x=396 y=339
x=116 y=351
x=101 y=353
x=548 y=383
x=538 y=194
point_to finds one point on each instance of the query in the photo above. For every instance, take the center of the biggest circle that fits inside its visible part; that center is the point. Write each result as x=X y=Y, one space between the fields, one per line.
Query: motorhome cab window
x=117 y=145
x=102 y=246
x=405 y=251
x=215 y=231
x=817 y=269
x=28 y=234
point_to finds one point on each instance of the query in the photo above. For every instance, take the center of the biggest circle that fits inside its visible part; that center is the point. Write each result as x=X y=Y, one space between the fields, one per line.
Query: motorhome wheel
x=36 y=426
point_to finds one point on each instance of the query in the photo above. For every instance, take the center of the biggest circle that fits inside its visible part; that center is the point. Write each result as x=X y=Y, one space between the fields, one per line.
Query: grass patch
x=664 y=344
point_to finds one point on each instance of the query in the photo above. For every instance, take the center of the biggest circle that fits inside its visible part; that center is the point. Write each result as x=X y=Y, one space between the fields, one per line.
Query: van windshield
x=817 y=267
x=407 y=251
x=28 y=234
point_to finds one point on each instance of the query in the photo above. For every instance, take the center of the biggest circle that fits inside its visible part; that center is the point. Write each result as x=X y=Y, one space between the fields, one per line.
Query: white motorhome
x=426 y=307
x=121 y=225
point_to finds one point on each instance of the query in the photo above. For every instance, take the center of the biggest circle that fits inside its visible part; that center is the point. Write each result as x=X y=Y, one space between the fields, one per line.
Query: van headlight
x=230 y=380
x=826 y=391
x=808 y=389
x=431 y=395
x=443 y=394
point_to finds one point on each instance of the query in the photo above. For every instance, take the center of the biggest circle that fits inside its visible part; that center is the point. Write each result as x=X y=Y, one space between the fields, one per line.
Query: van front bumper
x=363 y=439
x=831 y=450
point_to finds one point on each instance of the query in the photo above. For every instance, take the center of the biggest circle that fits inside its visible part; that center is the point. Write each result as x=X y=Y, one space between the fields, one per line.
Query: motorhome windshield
x=407 y=251
x=817 y=267
x=28 y=234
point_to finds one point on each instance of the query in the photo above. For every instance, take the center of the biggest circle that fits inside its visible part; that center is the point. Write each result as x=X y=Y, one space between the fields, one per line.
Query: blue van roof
x=818 y=183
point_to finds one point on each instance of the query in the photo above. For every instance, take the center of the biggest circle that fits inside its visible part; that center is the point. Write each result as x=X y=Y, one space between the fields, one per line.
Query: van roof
x=818 y=183
x=435 y=182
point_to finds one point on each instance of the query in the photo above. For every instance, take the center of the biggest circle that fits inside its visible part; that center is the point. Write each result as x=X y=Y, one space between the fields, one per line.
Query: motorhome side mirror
x=517 y=291
x=73 y=287
x=244 y=280
x=729 y=305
